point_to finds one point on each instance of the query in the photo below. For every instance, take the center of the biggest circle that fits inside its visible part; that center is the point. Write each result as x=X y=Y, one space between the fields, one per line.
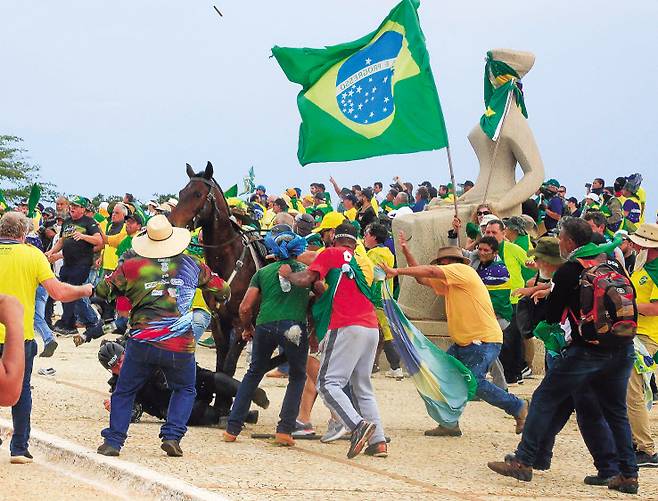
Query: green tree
x=160 y=198
x=17 y=173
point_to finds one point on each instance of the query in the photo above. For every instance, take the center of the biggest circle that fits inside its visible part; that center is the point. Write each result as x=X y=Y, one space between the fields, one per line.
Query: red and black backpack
x=607 y=302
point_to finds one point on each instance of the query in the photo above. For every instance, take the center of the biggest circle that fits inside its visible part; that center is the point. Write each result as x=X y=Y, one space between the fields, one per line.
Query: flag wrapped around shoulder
x=443 y=382
x=373 y=96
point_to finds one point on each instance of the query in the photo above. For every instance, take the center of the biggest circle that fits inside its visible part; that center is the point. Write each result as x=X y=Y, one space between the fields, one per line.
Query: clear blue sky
x=118 y=96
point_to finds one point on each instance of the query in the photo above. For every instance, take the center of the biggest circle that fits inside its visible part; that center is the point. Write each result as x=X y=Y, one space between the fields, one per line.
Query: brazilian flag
x=373 y=96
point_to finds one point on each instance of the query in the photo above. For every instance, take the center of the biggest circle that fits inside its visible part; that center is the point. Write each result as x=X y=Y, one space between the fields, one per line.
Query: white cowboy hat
x=161 y=239
x=646 y=236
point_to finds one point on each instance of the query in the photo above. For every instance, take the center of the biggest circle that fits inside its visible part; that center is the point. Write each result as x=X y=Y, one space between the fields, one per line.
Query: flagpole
x=454 y=189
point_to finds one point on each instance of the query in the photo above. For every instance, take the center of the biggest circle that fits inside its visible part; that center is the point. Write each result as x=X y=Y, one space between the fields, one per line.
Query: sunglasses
x=483 y=213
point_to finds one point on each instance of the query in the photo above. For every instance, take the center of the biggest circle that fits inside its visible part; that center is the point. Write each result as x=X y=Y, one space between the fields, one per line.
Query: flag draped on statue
x=501 y=86
x=373 y=96
x=443 y=382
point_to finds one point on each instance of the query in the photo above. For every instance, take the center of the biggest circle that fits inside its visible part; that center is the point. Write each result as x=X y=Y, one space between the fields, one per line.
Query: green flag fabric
x=3 y=202
x=373 y=96
x=231 y=192
x=32 y=202
x=501 y=85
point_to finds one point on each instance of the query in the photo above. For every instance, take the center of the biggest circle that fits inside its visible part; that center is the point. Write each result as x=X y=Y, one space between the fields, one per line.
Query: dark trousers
x=511 y=353
x=593 y=428
x=76 y=275
x=606 y=373
x=138 y=364
x=22 y=410
x=266 y=339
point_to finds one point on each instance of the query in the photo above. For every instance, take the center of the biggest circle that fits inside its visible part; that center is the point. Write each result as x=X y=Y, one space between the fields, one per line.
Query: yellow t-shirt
x=22 y=268
x=110 y=258
x=379 y=255
x=642 y=197
x=469 y=310
x=646 y=292
x=350 y=213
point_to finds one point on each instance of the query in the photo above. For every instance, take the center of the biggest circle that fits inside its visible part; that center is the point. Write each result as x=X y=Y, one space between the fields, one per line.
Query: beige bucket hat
x=450 y=251
x=161 y=239
x=646 y=236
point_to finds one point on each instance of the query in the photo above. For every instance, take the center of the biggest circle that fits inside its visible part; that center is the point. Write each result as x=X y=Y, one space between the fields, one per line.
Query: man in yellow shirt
x=645 y=281
x=472 y=324
x=22 y=268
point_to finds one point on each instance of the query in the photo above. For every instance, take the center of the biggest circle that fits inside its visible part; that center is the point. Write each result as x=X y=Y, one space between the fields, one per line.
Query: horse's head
x=195 y=201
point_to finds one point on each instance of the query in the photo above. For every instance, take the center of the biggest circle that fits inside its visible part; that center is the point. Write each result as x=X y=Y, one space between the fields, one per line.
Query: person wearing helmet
x=153 y=398
x=281 y=321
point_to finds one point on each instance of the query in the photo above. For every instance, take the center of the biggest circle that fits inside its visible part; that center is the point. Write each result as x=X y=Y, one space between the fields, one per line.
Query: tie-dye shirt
x=161 y=291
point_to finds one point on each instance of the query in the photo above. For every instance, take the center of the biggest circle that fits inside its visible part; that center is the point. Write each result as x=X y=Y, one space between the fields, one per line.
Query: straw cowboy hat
x=646 y=236
x=450 y=251
x=161 y=239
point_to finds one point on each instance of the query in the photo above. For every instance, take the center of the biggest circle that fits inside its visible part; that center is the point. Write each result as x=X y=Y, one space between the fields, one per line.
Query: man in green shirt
x=281 y=321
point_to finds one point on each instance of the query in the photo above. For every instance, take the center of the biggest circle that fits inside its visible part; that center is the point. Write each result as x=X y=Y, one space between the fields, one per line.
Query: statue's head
x=520 y=61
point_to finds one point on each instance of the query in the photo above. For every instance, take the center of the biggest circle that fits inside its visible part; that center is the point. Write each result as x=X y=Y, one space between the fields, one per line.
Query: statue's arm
x=525 y=151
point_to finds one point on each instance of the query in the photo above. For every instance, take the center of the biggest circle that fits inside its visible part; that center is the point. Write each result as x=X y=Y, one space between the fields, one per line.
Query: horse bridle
x=210 y=197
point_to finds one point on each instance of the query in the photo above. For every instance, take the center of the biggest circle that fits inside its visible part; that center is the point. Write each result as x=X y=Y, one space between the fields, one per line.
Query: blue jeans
x=593 y=428
x=478 y=358
x=603 y=372
x=267 y=337
x=20 y=412
x=138 y=365
x=200 y=322
x=77 y=275
x=40 y=324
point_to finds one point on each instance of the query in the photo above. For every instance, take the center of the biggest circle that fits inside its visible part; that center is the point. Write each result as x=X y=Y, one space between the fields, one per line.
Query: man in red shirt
x=351 y=340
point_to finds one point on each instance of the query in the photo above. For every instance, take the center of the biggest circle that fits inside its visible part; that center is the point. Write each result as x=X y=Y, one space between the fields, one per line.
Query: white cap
x=593 y=196
x=488 y=218
x=103 y=205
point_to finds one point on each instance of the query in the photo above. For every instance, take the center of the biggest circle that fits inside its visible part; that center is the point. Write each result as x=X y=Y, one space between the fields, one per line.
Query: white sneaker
x=335 y=431
x=395 y=373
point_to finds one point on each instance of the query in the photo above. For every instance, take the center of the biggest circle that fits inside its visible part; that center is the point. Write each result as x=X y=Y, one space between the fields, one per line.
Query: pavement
x=69 y=405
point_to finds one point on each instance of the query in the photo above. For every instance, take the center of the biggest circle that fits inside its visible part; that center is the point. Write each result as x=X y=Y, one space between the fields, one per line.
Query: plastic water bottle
x=285 y=284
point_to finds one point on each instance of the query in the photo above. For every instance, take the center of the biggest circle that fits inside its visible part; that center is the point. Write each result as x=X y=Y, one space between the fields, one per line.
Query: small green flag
x=373 y=96
x=35 y=195
x=3 y=202
x=231 y=192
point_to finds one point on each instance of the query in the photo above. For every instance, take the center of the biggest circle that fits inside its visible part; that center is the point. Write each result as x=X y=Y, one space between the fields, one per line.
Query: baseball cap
x=79 y=201
x=136 y=216
x=330 y=221
x=468 y=182
x=260 y=187
x=427 y=184
x=488 y=218
x=553 y=182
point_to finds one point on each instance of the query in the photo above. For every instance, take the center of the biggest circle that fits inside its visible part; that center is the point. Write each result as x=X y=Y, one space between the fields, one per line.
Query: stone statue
x=496 y=183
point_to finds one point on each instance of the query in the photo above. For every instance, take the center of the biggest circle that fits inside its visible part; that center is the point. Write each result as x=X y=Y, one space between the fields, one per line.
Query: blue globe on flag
x=364 y=90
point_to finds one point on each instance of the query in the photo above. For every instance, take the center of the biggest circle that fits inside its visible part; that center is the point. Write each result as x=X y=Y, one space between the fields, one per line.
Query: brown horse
x=229 y=252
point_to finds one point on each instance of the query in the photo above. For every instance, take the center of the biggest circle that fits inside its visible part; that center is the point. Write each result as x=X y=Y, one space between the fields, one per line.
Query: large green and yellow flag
x=373 y=96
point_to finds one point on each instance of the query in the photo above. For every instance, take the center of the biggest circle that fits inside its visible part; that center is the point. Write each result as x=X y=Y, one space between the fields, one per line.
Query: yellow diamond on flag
x=489 y=112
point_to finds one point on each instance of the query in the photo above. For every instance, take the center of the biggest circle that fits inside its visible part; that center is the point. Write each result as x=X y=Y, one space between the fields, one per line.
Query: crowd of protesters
x=522 y=276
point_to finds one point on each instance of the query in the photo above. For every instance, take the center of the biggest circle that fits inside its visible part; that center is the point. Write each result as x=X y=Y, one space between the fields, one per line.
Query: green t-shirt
x=275 y=304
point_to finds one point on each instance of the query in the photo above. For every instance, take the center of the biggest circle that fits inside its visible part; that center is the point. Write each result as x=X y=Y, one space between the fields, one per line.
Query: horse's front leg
x=221 y=334
x=237 y=344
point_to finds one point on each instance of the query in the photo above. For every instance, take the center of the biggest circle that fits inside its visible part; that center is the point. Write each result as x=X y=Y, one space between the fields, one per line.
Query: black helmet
x=109 y=354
